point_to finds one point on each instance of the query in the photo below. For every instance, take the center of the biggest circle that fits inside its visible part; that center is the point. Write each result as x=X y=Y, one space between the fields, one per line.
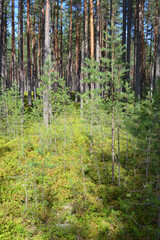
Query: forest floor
x=56 y=183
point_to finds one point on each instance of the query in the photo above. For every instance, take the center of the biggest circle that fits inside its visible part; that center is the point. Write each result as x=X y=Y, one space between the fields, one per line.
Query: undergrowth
x=54 y=186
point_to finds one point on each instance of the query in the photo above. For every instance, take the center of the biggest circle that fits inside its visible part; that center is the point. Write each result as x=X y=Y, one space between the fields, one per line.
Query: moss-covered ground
x=56 y=183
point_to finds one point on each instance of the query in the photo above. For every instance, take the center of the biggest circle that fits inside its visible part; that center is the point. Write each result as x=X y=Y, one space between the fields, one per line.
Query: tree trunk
x=139 y=51
x=98 y=37
x=28 y=53
x=13 y=47
x=129 y=19
x=155 y=46
x=56 y=41
x=124 y=31
x=158 y=48
x=43 y=35
x=91 y=36
x=91 y=30
x=53 y=32
x=18 y=68
x=70 y=52
x=86 y=50
x=34 y=55
x=79 y=51
x=21 y=52
x=39 y=49
x=82 y=64
x=46 y=93
x=98 y=33
x=146 y=63
x=112 y=88
x=77 y=55
x=4 y=51
x=1 y=36
x=135 y=48
x=61 y=46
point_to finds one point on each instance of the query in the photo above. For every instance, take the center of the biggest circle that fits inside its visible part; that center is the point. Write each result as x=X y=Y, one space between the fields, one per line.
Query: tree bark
x=139 y=49
x=124 y=31
x=82 y=64
x=34 y=54
x=21 y=52
x=28 y=53
x=129 y=19
x=98 y=37
x=43 y=35
x=39 y=49
x=70 y=53
x=13 y=79
x=56 y=41
x=91 y=29
x=112 y=88
x=61 y=46
x=3 y=42
x=86 y=50
x=155 y=46
x=53 y=32
x=4 y=59
x=91 y=36
x=77 y=53
x=98 y=33
x=47 y=111
x=158 y=48
x=1 y=36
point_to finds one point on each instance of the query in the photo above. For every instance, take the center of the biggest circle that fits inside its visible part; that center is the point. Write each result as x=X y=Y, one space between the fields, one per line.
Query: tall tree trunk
x=56 y=40
x=124 y=40
x=139 y=51
x=1 y=43
x=70 y=52
x=129 y=20
x=46 y=93
x=13 y=47
x=28 y=53
x=112 y=88
x=146 y=66
x=43 y=35
x=21 y=52
x=47 y=31
x=53 y=32
x=98 y=33
x=82 y=64
x=61 y=46
x=34 y=55
x=138 y=41
x=158 y=48
x=98 y=37
x=124 y=31
x=135 y=47
x=91 y=35
x=91 y=30
x=79 y=51
x=77 y=54
x=155 y=46
x=86 y=50
x=39 y=49
x=1 y=36
x=18 y=68
x=4 y=50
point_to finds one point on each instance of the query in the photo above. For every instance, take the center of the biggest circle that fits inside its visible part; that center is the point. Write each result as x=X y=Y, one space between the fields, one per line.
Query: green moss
x=50 y=186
